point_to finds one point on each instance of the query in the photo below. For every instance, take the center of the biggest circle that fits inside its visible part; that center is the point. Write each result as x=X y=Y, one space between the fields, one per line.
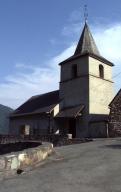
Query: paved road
x=89 y=167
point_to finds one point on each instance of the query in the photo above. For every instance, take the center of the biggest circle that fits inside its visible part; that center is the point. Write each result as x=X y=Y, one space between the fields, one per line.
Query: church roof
x=87 y=47
x=86 y=43
x=43 y=103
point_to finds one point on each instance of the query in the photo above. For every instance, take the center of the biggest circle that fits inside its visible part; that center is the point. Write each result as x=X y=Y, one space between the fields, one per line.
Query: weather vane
x=85 y=13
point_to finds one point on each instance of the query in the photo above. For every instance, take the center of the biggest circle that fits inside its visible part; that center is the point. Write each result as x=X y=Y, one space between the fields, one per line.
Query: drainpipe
x=49 y=123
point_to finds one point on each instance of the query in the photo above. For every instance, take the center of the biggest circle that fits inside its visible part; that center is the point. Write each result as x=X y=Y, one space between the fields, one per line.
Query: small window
x=101 y=71
x=74 y=71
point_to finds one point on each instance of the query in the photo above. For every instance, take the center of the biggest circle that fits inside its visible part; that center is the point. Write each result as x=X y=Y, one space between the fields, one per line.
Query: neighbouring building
x=115 y=116
x=80 y=106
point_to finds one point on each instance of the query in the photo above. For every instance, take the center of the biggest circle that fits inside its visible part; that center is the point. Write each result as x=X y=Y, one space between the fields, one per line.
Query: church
x=80 y=106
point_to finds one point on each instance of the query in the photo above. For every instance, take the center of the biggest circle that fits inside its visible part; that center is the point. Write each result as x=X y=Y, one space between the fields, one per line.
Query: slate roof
x=71 y=111
x=38 y=104
x=87 y=47
x=86 y=43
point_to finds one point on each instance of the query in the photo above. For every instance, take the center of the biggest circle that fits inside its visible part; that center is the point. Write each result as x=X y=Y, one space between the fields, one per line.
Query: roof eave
x=27 y=114
x=100 y=58
x=33 y=113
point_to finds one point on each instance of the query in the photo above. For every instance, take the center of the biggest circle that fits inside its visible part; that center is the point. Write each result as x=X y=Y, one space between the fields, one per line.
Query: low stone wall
x=22 y=159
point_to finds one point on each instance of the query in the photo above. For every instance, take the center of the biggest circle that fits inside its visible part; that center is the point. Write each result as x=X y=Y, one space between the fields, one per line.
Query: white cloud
x=109 y=42
x=19 y=87
x=30 y=80
x=22 y=85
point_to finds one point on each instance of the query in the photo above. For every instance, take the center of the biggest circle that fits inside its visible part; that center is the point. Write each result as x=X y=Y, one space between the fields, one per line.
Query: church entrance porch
x=67 y=127
x=67 y=120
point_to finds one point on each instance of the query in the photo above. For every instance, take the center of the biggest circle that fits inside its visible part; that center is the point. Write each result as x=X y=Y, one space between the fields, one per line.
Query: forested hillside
x=4 y=119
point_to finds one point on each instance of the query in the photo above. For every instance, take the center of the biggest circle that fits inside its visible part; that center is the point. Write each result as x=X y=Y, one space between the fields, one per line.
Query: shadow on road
x=115 y=146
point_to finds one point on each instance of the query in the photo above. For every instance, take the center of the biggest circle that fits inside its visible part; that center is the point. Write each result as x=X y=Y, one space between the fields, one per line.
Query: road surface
x=87 y=167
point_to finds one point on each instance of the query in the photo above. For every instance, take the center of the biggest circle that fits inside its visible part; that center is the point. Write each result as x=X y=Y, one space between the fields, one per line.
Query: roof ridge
x=34 y=96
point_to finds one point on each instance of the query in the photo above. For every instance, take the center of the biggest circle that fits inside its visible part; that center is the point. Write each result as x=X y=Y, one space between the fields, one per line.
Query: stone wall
x=115 y=116
x=115 y=122
x=22 y=159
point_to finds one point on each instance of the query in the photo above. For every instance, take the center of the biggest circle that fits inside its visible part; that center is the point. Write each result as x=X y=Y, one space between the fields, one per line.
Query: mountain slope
x=4 y=119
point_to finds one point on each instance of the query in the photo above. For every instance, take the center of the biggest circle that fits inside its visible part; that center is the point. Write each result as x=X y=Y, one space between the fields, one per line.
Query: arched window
x=101 y=71
x=74 y=71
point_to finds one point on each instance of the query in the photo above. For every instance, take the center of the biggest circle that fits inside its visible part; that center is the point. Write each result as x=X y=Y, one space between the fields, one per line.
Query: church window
x=74 y=71
x=101 y=71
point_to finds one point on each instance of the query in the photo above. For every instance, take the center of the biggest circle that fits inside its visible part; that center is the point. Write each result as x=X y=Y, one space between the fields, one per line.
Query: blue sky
x=35 y=35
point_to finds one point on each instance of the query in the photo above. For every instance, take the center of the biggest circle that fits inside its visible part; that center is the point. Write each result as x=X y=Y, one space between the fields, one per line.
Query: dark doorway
x=72 y=127
x=22 y=130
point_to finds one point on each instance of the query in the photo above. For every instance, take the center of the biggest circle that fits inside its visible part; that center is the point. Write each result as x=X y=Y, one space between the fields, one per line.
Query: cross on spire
x=85 y=13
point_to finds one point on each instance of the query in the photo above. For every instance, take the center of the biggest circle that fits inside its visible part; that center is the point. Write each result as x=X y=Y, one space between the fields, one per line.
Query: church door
x=72 y=127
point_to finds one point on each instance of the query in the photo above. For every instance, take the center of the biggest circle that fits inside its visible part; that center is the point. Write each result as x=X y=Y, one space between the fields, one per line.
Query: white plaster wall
x=74 y=92
x=100 y=90
x=82 y=68
x=94 y=68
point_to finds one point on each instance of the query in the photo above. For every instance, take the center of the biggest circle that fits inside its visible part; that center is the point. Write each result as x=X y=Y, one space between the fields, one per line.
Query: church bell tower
x=86 y=80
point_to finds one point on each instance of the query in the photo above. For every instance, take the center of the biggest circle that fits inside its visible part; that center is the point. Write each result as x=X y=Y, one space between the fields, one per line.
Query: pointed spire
x=86 y=43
